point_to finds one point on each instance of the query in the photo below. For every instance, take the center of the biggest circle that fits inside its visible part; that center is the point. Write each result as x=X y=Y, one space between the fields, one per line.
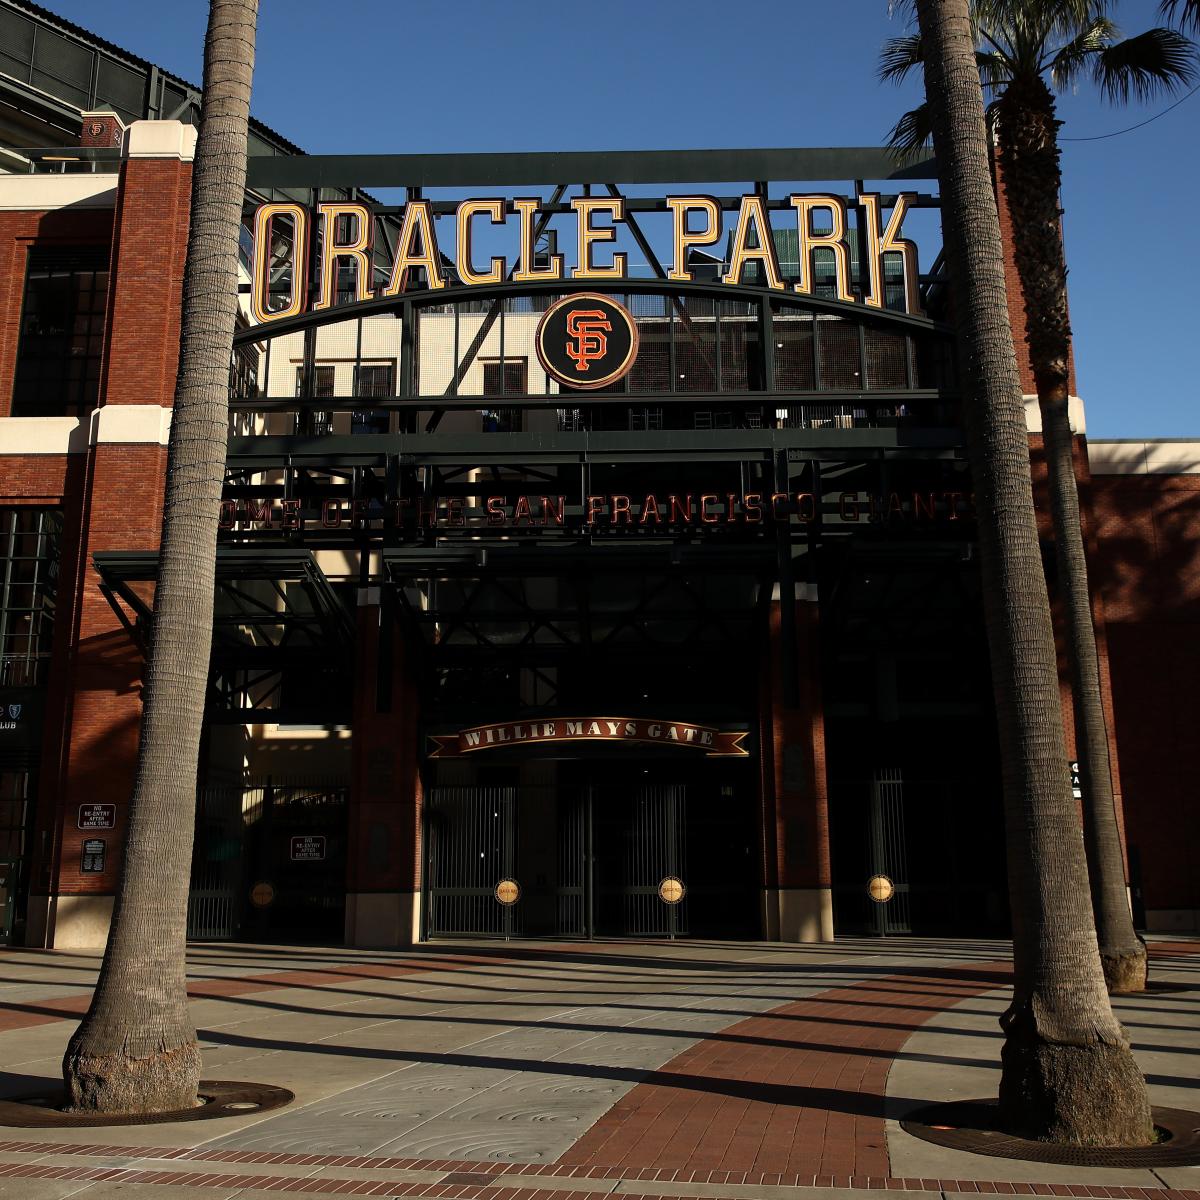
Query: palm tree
x=1186 y=12
x=136 y=1050
x=1068 y=1072
x=1023 y=50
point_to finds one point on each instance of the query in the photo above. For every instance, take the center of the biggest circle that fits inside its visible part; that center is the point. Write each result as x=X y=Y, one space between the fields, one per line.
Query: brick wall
x=1147 y=570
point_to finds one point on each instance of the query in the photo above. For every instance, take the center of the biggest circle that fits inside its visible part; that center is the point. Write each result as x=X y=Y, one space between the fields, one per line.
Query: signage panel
x=308 y=848
x=91 y=859
x=96 y=816
x=705 y=739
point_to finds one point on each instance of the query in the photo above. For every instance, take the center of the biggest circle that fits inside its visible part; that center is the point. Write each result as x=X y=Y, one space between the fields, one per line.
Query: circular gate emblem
x=508 y=891
x=880 y=888
x=671 y=890
x=261 y=894
x=587 y=341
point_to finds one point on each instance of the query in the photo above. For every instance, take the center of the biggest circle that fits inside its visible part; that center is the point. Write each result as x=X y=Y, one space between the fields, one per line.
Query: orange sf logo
x=587 y=329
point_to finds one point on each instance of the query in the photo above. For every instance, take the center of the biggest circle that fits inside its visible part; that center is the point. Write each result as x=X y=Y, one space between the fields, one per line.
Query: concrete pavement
x=496 y=1070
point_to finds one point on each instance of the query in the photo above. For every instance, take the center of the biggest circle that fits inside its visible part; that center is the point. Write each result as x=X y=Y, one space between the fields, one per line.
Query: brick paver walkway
x=800 y=1090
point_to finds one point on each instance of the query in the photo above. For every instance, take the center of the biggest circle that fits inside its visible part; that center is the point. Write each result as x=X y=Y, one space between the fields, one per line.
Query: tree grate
x=971 y=1125
x=221 y=1097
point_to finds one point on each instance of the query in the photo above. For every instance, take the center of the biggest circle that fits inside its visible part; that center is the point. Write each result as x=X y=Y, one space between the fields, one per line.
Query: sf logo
x=587 y=336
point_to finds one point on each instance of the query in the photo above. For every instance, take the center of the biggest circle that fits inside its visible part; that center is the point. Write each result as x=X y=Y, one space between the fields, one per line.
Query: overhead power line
x=1100 y=137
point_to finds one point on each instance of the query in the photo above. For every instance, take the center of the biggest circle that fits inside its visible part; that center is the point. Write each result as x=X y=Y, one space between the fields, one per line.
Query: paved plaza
x=538 y=1071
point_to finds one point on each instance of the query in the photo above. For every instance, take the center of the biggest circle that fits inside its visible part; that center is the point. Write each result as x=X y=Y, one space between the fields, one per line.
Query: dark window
x=62 y=332
x=28 y=582
x=309 y=421
x=504 y=377
x=373 y=381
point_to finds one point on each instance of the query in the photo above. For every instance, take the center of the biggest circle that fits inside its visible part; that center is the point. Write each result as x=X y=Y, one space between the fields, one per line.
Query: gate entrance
x=269 y=862
x=626 y=851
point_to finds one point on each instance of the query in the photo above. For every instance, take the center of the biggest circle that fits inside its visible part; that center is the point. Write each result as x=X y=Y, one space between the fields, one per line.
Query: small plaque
x=508 y=891
x=96 y=816
x=308 y=848
x=880 y=888
x=261 y=894
x=91 y=860
x=671 y=890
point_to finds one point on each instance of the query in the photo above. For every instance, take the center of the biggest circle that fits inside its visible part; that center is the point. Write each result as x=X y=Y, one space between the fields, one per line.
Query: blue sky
x=369 y=76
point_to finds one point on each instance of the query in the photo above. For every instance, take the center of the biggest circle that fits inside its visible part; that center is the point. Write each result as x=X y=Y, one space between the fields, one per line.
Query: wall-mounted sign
x=691 y=510
x=1076 y=782
x=508 y=892
x=587 y=341
x=346 y=234
x=880 y=888
x=714 y=743
x=91 y=858
x=262 y=894
x=671 y=890
x=308 y=848
x=96 y=816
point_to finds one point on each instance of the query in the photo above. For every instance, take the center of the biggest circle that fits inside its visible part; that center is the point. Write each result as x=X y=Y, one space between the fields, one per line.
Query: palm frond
x=899 y=56
x=1155 y=62
x=994 y=68
x=913 y=131
x=1068 y=62
x=1185 y=12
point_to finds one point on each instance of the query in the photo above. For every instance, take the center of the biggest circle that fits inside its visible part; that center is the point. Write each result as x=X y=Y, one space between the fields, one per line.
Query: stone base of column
x=1173 y=920
x=379 y=920
x=798 y=914
x=69 y=922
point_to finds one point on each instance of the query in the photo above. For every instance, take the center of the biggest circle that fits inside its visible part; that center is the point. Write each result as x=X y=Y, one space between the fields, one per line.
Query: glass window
x=29 y=547
x=62 y=332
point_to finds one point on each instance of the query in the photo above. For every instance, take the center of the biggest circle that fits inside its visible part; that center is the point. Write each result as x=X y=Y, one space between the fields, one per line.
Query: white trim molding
x=42 y=435
x=1075 y=414
x=160 y=139
x=48 y=193
x=1159 y=456
x=131 y=425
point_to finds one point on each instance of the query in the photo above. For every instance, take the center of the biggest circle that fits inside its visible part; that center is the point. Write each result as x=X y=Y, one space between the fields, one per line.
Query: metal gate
x=269 y=862
x=641 y=861
x=14 y=817
x=471 y=840
x=583 y=860
x=888 y=851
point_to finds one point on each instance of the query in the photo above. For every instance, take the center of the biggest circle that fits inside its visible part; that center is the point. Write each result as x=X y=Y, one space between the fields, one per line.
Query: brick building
x=697 y=651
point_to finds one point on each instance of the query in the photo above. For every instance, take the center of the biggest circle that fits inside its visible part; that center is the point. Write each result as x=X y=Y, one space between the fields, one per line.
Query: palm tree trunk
x=1029 y=160
x=1068 y=1073
x=136 y=1050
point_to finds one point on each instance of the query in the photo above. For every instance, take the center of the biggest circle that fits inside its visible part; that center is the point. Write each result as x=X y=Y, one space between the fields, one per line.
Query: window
x=310 y=421
x=504 y=377
x=373 y=381
x=62 y=332
x=28 y=582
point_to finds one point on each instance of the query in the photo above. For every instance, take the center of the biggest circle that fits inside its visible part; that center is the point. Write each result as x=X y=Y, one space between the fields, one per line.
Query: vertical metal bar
x=766 y=337
x=816 y=348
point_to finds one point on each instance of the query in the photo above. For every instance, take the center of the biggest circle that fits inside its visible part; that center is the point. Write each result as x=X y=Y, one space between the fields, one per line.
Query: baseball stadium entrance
x=596 y=560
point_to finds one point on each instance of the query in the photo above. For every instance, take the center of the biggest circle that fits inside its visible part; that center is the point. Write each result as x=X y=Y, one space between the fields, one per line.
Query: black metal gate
x=269 y=862
x=471 y=849
x=569 y=861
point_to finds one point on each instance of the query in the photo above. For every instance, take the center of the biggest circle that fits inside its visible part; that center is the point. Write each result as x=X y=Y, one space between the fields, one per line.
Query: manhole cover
x=221 y=1097
x=971 y=1125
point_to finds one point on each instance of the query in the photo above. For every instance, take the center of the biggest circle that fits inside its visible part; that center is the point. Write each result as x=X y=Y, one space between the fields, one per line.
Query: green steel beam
x=624 y=166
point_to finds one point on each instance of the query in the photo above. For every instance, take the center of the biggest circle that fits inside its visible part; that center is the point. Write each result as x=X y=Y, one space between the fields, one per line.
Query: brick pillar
x=383 y=871
x=101 y=129
x=125 y=469
x=797 y=883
